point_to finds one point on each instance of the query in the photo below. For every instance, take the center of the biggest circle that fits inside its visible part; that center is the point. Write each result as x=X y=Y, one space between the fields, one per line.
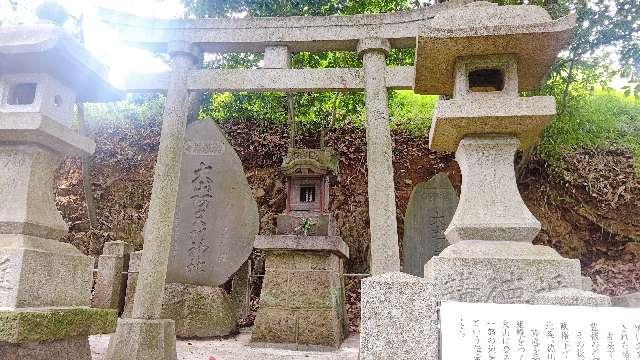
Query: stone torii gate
x=372 y=36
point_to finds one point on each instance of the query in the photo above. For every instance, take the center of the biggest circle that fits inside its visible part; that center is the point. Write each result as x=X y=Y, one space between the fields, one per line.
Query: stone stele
x=216 y=218
x=431 y=207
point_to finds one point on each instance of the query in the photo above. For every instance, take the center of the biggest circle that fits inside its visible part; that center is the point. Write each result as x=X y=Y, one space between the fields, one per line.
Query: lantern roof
x=483 y=28
x=47 y=48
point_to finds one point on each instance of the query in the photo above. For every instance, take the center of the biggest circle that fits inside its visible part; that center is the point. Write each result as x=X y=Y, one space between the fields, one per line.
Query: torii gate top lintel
x=298 y=33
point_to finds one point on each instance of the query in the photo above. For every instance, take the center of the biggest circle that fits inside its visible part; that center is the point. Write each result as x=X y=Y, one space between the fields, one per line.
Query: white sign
x=538 y=332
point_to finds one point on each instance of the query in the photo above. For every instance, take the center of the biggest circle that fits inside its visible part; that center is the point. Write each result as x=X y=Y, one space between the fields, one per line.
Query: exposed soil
x=589 y=207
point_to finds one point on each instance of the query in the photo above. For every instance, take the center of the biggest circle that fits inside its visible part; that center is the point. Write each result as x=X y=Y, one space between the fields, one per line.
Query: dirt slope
x=589 y=208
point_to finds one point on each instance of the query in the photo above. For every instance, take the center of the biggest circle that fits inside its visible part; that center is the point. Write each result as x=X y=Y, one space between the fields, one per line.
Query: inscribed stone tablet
x=216 y=217
x=517 y=331
x=431 y=207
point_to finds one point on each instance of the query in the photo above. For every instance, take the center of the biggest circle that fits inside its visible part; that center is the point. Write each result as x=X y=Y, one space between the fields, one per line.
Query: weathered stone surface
x=38 y=129
x=138 y=339
x=253 y=34
x=117 y=248
x=25 y=326
x=216 y=218
x=399 y=318
x=629 y=300
x=132 y=282
x=490 y=205
x=273 y=80
x=108 y=290
x=399 y=312
x=587 y=283
x=499 y=272
x=76 y=348
x=431 y=207
x=385 y=252
x=38 y=272
x=333 y=244
x=109 y=282
x=241 y=290
x=277 y=57
x=29 y=204
x=50 y=97
x=199 y=311
x=302 y=300
x=523 y=118
x=482 y=28
x=571 y=297
x=157 y=236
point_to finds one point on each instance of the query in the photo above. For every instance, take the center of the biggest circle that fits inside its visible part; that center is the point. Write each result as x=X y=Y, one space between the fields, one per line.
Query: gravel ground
x=237 y=348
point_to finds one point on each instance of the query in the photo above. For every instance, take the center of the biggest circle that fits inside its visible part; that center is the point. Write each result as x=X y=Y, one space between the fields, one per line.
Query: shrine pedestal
x=302 y=299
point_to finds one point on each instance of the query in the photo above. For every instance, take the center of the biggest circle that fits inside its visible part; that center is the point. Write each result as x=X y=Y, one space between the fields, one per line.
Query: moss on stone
x=55 y=324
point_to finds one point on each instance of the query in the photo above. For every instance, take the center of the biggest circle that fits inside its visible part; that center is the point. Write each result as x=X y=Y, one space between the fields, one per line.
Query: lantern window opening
x=486 y=80
x=22 y=94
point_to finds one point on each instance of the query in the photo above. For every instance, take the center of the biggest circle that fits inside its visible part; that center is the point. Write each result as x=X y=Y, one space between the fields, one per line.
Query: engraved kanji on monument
x=216 y=217
x=431 y=207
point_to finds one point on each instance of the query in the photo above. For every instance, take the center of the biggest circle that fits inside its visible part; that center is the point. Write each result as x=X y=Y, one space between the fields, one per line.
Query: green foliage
x=411 y=112
x=305 y=226
x=141 y=109
x=600 y=120
x=601 y=26
x=311 y=109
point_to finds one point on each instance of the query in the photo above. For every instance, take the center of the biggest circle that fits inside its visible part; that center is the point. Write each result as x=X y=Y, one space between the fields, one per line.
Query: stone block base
x=399 y=311
x=398 y=318
x=137 y=339
x=76 y=348
x=44 y=273
x=199 y=311
x=302 y=300
x=499 y=272
x=48 y=325
x=571 y=297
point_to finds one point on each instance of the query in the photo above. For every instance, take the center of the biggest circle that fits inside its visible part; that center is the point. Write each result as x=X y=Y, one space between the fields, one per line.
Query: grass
x=411 y=112
x=604 y=119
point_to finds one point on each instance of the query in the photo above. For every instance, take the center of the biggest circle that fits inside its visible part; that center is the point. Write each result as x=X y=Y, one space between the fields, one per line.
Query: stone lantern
x=482 y=56
x=45 y=285
x=302 y=298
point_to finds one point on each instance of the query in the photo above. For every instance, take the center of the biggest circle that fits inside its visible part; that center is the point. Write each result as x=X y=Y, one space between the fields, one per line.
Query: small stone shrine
x=45 y=285
x=483 y=55
x=302 y=299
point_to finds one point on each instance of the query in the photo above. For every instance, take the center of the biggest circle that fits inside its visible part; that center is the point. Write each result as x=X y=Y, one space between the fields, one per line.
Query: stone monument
x=216 y=219
x=45 y=285
x=483 y=55
x=302 y=299
x=431 y=207
x=215 y=224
